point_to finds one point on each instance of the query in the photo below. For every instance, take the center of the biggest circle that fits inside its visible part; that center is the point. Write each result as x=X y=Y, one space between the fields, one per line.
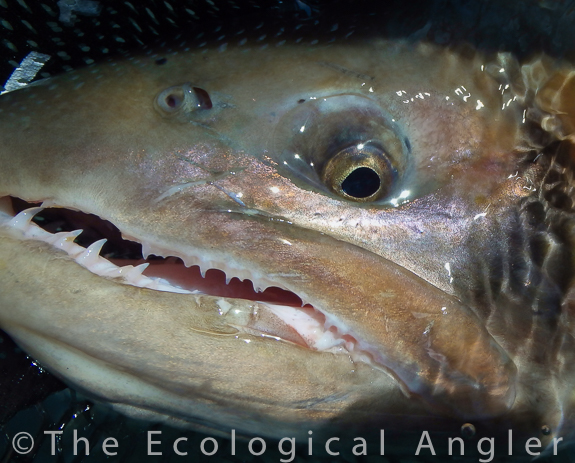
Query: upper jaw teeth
x=88 y=258
x=321 y=337
x=91 y=259
x=260 y=281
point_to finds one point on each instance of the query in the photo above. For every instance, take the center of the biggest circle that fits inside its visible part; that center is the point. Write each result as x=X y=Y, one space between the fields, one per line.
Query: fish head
x=373 y=193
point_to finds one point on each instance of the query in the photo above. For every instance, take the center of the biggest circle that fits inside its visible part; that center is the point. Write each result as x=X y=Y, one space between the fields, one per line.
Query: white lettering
x=152 y=442
x=363 y=446
x=84 y=440
x=291 y=452
x=215 y=444
x=429 y=445
x=328 y=450
x=176 y=450
x=53 y=441
x=555 y=442
x=489 y=452
x=529 y=444
x=251 y=446
x=110 y=442
x=461 y=445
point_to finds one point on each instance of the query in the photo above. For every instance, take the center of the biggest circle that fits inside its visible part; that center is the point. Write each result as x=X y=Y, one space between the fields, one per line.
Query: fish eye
x=345 y=146
x=360 y=173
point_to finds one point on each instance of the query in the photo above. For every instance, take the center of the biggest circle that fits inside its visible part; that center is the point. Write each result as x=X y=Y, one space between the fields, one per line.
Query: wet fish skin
x=96 y=141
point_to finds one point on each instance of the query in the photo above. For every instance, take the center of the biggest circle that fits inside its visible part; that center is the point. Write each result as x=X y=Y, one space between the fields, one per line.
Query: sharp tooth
x=146 y=250
x=22 y=220
x=135 y=272
x=142 y=267
x=190 y=261
x=125 y=269
x=91 y=255
x=64 y=239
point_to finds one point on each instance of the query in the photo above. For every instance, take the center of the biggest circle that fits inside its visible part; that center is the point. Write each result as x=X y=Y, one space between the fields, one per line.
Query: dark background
x=75 y=33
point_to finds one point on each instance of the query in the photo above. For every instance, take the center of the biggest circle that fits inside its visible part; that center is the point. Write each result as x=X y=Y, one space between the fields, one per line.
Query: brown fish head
x=397 y=192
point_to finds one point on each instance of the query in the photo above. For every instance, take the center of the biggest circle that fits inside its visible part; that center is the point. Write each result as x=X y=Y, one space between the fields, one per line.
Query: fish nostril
x=204 y=100
x=171 y=101
x=182 y=100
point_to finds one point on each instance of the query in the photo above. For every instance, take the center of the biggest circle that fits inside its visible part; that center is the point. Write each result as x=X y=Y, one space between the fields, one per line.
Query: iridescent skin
x=396 y=272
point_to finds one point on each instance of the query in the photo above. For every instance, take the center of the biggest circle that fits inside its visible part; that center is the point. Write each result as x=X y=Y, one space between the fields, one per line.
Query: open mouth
x=478 y=383
x=99 y=246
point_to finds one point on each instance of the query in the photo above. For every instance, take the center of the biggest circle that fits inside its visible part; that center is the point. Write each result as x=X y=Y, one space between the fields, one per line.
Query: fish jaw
x=425 y=365
x=177 y=188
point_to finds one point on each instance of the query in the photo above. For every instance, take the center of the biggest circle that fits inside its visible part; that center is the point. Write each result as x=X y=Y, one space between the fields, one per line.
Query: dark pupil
x=361 y=183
